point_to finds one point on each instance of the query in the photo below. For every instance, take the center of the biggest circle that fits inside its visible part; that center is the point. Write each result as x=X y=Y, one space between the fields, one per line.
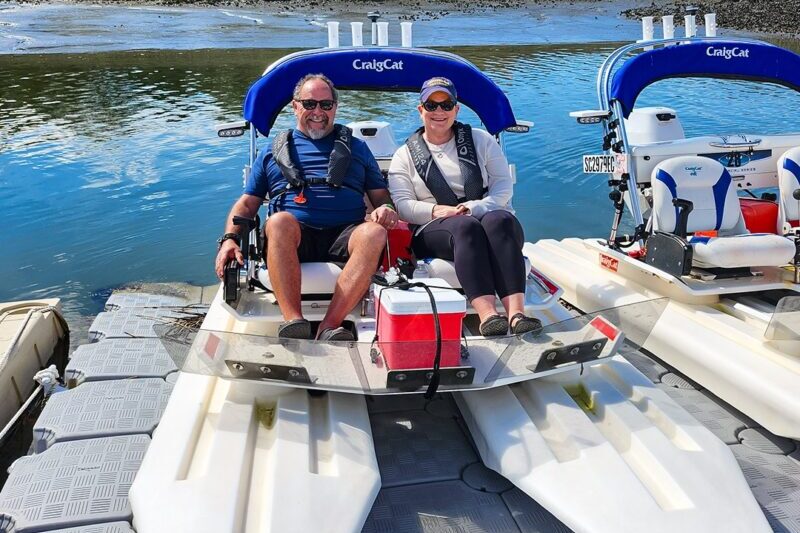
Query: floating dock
x=89 y=442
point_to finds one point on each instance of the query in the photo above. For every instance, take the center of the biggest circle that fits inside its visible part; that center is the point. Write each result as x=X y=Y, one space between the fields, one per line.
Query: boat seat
x=788 y=182
x=320 y=278
x=446 y=270
x=316 y=278
x=716 y=210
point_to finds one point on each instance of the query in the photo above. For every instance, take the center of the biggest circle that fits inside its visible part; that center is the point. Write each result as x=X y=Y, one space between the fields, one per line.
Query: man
x=315 y=177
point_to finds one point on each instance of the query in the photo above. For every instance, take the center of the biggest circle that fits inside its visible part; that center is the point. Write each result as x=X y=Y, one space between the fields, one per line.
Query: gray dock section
x=89 y=440
x=116 y=527
x=139 y=322
x=433 y=480
x=102 y=409
x=118 y=359
x=72 y=484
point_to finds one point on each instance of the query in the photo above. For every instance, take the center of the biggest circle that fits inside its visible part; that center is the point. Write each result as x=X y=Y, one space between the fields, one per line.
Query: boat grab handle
x=733 y=144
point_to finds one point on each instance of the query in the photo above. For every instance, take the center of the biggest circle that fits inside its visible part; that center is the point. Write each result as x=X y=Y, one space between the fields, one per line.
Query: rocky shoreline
x=765 y=16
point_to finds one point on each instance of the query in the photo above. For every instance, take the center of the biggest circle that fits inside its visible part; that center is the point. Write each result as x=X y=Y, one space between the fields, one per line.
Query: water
x=111 y=173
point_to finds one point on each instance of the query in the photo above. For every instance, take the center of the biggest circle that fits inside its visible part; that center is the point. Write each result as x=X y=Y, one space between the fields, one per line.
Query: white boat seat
x=320 y=278
x=315 y=278
x=788 y=182
x=750 y=249
x=708 y=185
x=446 y=270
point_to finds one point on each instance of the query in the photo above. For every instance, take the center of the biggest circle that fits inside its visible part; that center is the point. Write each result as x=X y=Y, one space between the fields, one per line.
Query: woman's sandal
x=525 y=324
x=494 y=326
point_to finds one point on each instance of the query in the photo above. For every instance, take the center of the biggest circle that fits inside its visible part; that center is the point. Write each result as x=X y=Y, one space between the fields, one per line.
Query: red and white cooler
x=406 y=331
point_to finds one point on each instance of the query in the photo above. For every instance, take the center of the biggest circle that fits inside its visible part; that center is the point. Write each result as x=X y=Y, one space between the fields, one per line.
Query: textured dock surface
x=90 y=440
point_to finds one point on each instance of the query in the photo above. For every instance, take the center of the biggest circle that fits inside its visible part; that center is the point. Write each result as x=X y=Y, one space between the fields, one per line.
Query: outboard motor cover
x=652 y=125
x=378 y=136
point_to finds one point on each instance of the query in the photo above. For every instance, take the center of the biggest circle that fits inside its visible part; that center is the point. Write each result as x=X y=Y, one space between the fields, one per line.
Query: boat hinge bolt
x=265 y=370
x=239 y=367
x=597 y=346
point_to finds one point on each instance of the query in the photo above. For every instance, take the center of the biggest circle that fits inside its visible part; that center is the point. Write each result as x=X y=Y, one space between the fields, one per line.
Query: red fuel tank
x=760 y=216
x=399 y=245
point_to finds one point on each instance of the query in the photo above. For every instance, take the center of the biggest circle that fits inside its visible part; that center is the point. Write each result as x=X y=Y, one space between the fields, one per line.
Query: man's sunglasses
x=308 y=105
x=447 y=105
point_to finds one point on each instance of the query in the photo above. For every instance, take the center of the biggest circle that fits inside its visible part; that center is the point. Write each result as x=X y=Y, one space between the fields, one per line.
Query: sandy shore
x=410 y=9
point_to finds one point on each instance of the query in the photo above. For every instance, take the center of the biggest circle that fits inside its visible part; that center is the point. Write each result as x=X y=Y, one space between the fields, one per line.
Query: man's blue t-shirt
x=325 y=206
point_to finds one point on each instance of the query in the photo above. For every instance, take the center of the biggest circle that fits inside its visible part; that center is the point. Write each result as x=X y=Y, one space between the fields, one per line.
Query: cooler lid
x=415 y=301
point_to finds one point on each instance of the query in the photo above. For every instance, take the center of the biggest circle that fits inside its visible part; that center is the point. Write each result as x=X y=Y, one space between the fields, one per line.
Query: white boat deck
x=432 y=477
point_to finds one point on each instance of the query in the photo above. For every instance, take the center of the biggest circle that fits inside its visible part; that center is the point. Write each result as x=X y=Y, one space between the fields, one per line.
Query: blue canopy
x=743 y=60
x=377 y=69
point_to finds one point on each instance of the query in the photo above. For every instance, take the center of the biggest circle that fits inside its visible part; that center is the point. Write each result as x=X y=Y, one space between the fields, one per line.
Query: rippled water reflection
x=110 y=171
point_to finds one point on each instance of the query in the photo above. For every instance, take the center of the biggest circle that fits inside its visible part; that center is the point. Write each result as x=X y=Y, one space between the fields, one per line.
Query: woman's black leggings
x=487 y=251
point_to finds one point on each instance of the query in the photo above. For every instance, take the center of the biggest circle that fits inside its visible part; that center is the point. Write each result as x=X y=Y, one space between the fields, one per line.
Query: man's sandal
x=494 y=326
x=336 y=334
x=525 y=324
x=299 y=328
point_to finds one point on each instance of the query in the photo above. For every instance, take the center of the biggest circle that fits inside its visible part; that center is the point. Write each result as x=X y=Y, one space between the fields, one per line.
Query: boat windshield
x=785 y=322
x=395 y=367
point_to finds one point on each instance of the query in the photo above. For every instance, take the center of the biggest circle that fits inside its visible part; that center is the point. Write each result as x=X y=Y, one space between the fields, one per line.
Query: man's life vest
x=432 y=175
x=338 y=163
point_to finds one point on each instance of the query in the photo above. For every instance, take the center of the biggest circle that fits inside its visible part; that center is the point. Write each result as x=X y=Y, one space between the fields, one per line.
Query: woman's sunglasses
x=447 y=105
x=308 y=105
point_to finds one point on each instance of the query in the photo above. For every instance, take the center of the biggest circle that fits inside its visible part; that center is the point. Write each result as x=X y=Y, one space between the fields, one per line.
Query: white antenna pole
x=373 y=16
x=357 y=31
x=333 y=34
x=668 y=21
x=711 y=24
x=383 y=34
x=405 y=33
x=647 y=29
x=689 y=23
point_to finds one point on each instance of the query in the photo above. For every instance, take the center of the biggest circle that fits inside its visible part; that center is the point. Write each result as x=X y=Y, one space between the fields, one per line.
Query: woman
x=461 y=208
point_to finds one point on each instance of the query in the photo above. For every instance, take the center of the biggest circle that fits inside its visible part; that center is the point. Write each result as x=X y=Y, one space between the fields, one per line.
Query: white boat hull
x=606 y=451
x=29 y=333
x=238 y=456
x=696 y=333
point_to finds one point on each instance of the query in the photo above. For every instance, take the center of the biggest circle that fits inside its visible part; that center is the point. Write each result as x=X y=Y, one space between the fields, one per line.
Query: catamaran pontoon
x=263 y=434
x=725 y=262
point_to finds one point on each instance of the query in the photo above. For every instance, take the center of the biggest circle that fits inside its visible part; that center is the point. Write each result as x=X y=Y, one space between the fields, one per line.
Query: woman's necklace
x=438 y=152
x=439 y=149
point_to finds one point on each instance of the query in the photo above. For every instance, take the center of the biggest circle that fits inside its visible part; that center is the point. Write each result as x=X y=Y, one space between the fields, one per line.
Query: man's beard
x=317 y=134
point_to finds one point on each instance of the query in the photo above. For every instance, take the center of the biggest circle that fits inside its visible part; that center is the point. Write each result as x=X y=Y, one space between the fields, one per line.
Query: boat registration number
x=598 y=164
x=609 y=263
